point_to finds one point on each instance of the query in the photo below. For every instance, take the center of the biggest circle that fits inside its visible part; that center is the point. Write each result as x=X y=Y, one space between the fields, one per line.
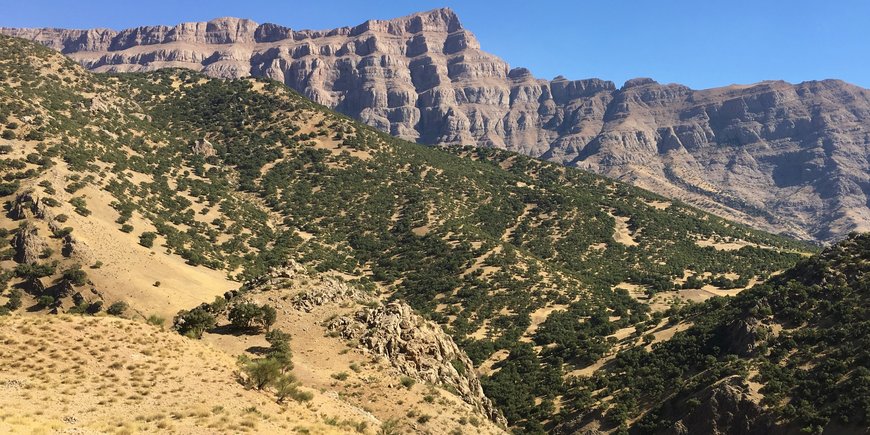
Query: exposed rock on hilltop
x=417 y=348
x=414 y=346
x=785 y=158
x=393 y=333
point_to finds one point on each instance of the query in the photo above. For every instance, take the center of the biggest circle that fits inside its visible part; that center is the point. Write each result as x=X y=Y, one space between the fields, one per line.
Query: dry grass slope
x=75 y=374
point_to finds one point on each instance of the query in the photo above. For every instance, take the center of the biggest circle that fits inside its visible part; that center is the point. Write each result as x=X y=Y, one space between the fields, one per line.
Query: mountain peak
x=640 y=81
x=228 y=20
x=435 y=20
x=232 y=22
x=446 y=15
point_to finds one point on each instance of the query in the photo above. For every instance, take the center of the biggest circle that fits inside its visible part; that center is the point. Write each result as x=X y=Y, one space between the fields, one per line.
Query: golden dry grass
x=111 y=375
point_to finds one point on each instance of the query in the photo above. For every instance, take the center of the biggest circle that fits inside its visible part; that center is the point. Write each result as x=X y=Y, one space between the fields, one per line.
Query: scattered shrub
x=407 y=382
x=45 y=301
x=117 y=308
x=247 y=315
x=75 y=276
x=147 y=239
x=155 y=320
x=194 y=322
x=260 y=372
x=14 y=301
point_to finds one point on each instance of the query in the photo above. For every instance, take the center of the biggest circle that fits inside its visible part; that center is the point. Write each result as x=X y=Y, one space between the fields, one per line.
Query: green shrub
x=62 y=232
x=244 y=315
x=407 y=382
x=218 y=305
x=279 y=348
x=45 y=301
x=247 y=315
x=155 y=320
x=261 y=372
x=146 y=239
x=117 y=308
x=286 y=386
x=194 y=322
x=14 y=301
x=80 y=206
x=75 y=276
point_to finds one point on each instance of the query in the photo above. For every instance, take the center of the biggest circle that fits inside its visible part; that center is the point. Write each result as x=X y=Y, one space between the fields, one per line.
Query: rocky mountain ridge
x=785 y=158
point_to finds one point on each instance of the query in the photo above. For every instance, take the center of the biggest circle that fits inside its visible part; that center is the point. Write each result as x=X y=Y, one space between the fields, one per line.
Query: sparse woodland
x=481 y=241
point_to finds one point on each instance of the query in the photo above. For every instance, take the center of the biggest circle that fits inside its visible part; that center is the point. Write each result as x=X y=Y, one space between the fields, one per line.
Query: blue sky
x=700 y=43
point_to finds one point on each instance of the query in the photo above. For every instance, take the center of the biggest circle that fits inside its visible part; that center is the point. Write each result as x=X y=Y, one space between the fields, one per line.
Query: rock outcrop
x=724 y=408
x=24 y=206
x=28 y=245
x=782 y=157
x=330 y=291
x=743 y=336
x=414 y=346
x=418 y=348
x=204 y=148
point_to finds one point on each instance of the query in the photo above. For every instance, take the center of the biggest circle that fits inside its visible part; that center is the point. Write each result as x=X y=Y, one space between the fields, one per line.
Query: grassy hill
x=111 y=375
x=790 y=355
x=166 y=189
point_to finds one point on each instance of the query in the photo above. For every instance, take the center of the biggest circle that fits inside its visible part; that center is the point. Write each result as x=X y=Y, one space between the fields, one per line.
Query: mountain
x=430 y=288
x=785 y=158
x=104 y=217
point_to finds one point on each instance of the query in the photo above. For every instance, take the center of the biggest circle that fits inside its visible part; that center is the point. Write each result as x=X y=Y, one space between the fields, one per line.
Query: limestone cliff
x=782 y=157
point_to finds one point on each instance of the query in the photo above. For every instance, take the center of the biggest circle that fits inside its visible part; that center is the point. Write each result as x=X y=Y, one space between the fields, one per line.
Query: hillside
x=785 y=158
x=70 y=247
x=787 y=356
x=168 y=189
x=110 y=375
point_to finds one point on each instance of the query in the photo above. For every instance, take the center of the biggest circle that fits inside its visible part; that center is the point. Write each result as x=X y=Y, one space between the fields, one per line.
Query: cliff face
x=785 y=158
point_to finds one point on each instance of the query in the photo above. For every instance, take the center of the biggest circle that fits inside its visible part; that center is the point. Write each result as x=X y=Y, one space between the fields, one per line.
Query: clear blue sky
x=701 y=43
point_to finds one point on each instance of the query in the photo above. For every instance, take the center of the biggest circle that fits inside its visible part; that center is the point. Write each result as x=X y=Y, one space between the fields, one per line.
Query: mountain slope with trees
x=113 y=181
x=785 y=356
x=786 y=158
